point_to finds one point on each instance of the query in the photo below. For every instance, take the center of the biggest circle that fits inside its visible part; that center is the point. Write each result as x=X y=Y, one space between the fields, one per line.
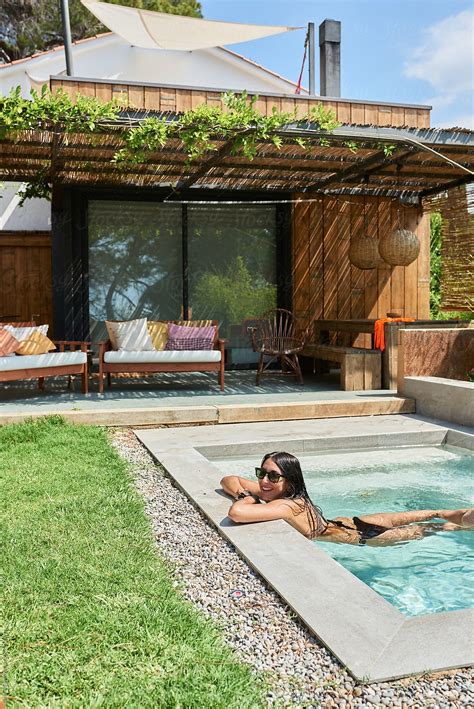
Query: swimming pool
x=429 y=575
x=370 y=636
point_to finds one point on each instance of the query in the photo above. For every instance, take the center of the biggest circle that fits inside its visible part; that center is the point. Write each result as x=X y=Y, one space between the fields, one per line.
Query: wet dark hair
x=296 y=489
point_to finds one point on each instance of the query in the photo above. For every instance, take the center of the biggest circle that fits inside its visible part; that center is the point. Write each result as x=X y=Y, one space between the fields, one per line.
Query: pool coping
x=369 y=636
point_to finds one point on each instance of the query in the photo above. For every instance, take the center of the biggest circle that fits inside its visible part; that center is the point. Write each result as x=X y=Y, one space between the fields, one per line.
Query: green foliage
x=234 y=295
x=388 y=149
x=53 y=111
x=92 y=616
x=149 y=136
x=198 y=128
x=324 y=117
x=38 y=187
x=435 y=265
x=201 y=126
x=32 y=26
x=352 y=145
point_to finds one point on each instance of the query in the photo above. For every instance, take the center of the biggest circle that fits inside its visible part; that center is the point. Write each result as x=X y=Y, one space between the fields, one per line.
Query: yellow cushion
x=158 y=333
x=37 y=343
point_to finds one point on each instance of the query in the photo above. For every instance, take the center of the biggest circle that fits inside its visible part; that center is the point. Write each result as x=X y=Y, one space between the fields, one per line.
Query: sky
x=401 y=51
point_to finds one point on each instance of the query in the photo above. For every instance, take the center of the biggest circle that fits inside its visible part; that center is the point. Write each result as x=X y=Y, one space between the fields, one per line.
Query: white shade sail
x=159 y=30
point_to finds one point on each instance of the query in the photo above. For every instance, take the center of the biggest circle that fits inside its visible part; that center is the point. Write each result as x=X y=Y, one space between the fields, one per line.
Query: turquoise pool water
x=428 y=575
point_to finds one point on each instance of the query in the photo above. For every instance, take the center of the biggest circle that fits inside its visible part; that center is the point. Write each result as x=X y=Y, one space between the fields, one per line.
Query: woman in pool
x=281 y=486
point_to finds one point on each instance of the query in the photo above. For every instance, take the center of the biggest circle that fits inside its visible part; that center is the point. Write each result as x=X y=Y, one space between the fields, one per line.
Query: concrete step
x=224 y=413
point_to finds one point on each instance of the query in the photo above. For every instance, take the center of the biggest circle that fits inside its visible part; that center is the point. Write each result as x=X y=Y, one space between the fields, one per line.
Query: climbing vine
x=49 y=111
x=240 y=127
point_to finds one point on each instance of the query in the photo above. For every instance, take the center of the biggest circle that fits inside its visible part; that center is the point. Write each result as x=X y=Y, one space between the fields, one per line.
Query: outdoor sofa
x=69 y=359
x=186 y=356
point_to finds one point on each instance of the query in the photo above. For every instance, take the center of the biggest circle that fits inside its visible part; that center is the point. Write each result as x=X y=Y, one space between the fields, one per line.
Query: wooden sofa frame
x=40 y=373
x=106 y=369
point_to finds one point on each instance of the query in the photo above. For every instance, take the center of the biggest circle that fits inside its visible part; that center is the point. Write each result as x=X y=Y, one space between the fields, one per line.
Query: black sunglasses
x=273 y=476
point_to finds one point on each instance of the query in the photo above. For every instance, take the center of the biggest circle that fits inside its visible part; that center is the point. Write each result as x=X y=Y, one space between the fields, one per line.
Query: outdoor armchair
x=277 y=338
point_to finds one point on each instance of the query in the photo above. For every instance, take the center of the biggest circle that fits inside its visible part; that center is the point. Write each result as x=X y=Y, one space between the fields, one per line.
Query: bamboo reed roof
x=424 y=161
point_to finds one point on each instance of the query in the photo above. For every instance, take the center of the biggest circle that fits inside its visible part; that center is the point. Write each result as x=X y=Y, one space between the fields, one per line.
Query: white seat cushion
x=162 y=356
x=51 y=359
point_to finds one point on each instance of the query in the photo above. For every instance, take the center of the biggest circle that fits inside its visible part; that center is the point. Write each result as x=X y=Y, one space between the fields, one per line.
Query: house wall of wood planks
x=327 y=285
x=25 y=276
x=176 y=99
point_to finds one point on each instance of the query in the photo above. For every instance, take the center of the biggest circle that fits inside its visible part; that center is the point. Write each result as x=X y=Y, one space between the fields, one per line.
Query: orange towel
x=379 y=330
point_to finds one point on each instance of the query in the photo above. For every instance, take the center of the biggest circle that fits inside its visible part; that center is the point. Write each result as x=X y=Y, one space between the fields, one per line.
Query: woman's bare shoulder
x=286 y=504
x=292 y=506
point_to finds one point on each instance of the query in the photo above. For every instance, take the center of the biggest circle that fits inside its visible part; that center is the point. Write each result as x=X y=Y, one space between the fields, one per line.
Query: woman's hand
x=234 y=486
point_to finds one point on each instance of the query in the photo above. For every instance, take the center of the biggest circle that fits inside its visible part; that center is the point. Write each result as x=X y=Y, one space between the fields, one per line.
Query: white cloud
x=445 y=58
x=455 y=120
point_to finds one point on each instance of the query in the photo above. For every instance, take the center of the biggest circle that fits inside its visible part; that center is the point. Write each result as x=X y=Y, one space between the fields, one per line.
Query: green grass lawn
x=91 y=617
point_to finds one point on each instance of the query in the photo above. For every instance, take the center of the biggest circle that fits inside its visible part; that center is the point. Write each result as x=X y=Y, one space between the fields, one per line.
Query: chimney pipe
x=330 y=57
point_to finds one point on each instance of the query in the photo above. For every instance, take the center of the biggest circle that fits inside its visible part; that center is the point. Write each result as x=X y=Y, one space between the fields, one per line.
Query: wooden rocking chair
x=276 y=336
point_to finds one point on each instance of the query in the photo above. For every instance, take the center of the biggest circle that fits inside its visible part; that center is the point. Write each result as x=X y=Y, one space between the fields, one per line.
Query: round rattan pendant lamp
x=400 y=248
x=364 y=249
x=364 y=252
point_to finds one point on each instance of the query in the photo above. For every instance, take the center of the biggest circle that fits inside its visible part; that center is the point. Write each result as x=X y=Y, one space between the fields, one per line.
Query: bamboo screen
x=457 y=247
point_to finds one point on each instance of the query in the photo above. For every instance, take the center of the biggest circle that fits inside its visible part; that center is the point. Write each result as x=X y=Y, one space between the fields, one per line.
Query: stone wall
x=445 y=353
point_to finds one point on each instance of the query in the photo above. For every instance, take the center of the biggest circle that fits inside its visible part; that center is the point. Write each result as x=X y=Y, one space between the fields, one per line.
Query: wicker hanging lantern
x=364 y=249
x=364 y=252
x=399 y=248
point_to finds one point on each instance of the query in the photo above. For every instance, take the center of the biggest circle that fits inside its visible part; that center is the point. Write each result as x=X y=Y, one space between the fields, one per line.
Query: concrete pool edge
x=374 y=640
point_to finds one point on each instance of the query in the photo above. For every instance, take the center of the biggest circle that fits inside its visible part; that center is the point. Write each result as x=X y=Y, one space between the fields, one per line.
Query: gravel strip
x=254 y=621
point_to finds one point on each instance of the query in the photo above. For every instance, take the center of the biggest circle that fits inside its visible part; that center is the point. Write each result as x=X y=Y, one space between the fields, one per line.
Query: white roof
x=109 y=57
x=160 y=30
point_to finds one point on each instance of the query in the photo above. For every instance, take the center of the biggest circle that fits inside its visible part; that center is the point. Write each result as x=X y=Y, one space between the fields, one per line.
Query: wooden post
x=390 y=355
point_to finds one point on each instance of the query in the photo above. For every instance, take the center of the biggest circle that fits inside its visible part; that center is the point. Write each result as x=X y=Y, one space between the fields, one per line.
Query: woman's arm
x=233 y=485
x=246 y=510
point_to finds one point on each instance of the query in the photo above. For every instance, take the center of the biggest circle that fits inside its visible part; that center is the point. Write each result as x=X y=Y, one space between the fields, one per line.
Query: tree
x=29 y=26
x=234 y=296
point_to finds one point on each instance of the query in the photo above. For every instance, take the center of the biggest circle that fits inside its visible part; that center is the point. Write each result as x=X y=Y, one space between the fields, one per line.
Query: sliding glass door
x=232 y=269
x=197 y=261
x=135 y=262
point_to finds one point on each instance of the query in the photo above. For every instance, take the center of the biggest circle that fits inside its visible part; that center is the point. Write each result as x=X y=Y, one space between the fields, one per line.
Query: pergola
x=410 y=163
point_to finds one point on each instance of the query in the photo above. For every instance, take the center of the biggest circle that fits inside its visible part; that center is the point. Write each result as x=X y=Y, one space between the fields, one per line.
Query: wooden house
x=228 y=237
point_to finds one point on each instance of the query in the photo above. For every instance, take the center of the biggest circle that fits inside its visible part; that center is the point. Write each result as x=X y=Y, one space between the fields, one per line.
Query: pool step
x=289 y=411
x=225 y=413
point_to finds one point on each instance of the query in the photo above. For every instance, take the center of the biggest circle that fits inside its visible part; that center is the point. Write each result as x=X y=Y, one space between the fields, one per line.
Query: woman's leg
x=463 y=517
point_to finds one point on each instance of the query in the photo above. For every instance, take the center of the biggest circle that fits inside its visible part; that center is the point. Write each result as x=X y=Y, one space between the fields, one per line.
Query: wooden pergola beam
x=362 y=168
